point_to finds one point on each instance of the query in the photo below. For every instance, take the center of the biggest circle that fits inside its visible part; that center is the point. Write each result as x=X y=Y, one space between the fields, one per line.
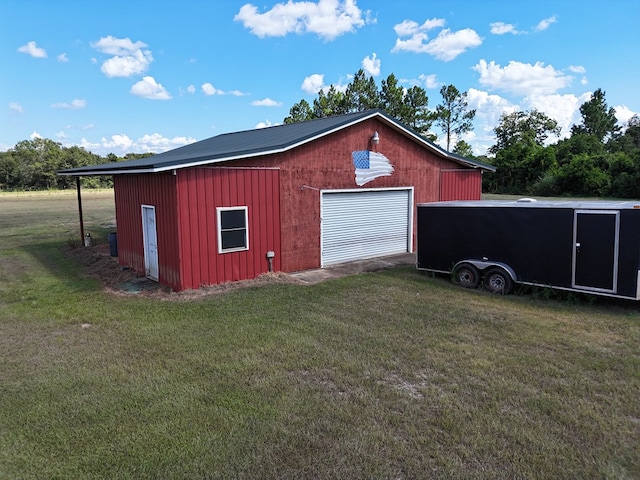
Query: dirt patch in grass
x=207 y=290
x=98 y=264
x=101 y=266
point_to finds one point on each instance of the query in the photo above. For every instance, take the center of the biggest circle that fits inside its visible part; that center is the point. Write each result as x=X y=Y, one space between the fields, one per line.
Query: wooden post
x=80 y=211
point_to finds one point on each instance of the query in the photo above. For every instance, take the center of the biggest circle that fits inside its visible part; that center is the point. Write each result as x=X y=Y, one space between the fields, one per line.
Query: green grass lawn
x=386 y=375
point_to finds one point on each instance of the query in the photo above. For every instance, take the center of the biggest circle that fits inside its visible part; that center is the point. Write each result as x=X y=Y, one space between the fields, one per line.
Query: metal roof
x=262 y=141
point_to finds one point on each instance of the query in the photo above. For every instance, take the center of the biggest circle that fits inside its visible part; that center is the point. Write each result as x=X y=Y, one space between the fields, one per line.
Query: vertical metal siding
x=200 y=191
x=158 y=190
x=293 y=226
x=365 y=224
x=457 y=184
x=327 y=164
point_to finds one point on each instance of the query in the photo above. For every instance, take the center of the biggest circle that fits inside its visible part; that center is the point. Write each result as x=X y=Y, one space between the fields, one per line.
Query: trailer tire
x=466 y=275
x=497 y=280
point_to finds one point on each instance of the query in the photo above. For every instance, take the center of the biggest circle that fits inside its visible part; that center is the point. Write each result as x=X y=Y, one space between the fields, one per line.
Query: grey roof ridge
x=147 y=165
x=156 y=163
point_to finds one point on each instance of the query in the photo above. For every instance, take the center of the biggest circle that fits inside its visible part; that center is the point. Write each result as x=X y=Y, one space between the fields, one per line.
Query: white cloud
x=62 y=58
x=267 y=102
x=521 y=78
x=313 y=83
x=481 y=100
x=413 y=44
x=546 y=23
x=500 y=28
x=624 y=114
x=32 y=49
x=208 y=89
x=582 y=70
x=191 y=89
x=446 y=46
x=118 y=141
x=35 y=135
x=409 y=28
x=479 y=143
x=430 y=81
x=265 y=124
x=327 y=18
x=74 y=105
x=371 y=65
x=128 y=58
x=488 y=108
x=123 y=144
x=65 y=139
x=127 y=66
x=406 y=28
x=156 y=143
x=117 y=46
x=92 y=146
x=149 y=88
x=564 y=109
x=16 y=107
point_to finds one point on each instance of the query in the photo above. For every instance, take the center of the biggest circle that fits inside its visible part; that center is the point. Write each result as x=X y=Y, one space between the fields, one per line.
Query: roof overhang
x=196 y=162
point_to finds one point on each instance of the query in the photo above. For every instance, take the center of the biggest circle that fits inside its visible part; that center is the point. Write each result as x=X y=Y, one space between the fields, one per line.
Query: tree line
x=598 y=158
x=410 y=106
x=33 y=165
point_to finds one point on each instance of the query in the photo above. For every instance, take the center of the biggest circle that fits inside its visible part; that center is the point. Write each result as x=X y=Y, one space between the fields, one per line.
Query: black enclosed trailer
x=590 y=247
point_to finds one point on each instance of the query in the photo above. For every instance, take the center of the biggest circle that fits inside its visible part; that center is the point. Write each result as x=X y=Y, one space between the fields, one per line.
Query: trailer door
x=595 y=254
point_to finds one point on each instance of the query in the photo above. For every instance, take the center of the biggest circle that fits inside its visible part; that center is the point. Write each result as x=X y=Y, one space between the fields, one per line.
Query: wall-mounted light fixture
x=375 y=138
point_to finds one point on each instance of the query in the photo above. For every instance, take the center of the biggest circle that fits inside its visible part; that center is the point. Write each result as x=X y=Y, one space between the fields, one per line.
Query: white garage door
x=365 y=224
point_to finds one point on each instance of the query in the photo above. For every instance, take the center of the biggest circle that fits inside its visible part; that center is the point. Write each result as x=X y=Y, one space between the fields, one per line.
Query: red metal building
x=284 y=198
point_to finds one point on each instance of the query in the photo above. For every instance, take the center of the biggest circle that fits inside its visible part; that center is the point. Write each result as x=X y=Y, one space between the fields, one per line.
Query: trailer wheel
x=466 y=275
x=497 y=280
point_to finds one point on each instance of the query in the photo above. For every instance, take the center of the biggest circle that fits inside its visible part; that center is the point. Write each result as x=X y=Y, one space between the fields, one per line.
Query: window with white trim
x=233 y=229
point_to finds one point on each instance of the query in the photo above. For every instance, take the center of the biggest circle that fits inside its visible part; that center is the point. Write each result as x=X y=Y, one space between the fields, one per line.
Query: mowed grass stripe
x=390 y=374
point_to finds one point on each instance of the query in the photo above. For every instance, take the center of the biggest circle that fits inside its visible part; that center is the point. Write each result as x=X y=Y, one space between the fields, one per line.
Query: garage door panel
x=377 y=241
x=358 y=225
x=390 y=226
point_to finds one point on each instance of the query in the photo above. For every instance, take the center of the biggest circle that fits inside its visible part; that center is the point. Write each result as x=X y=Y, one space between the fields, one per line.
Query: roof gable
x=249 y=143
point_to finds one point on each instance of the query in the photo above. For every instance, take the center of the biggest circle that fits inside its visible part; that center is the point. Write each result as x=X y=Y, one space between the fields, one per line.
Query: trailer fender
x=483 y=265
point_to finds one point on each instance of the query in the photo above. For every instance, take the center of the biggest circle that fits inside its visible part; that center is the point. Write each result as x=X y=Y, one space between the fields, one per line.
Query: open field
x=386 y=375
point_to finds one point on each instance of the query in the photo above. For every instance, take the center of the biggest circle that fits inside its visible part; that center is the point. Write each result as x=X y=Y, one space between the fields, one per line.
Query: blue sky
x=137 y=75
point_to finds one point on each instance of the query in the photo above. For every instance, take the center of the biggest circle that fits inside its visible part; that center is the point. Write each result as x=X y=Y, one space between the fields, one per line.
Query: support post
x=80 y=210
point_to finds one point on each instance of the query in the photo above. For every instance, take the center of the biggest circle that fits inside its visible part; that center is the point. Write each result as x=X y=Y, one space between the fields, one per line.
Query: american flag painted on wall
x=370 y=165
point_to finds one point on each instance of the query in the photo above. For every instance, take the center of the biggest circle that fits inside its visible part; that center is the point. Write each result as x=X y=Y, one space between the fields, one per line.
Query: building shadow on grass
x=77 y=267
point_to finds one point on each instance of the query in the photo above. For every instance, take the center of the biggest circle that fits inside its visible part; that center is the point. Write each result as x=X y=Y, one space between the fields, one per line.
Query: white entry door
x=150 y=239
